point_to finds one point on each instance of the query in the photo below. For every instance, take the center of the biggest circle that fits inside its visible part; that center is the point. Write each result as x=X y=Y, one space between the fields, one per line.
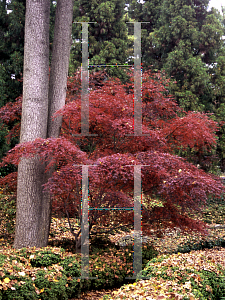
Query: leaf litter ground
x=156 y=287
x=159 y=288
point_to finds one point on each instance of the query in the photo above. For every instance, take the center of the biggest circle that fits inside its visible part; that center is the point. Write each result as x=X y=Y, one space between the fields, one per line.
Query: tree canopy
x=171 y=186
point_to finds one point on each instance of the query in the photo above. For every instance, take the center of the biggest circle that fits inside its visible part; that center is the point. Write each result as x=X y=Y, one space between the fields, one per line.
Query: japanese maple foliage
x=179 y=185
x=11 y=114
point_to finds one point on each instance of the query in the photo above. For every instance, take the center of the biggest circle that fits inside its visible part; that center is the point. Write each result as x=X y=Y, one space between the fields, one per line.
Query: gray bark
x=57 y=90
x=40 y=101
x=60 y=63
x=33 y=122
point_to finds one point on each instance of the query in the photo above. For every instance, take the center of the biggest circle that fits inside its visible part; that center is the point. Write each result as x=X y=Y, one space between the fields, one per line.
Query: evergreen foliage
x=108 y=35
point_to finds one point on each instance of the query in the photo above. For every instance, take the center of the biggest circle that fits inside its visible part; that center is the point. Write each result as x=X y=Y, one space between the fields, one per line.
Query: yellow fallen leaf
x=6 y=280
x=208 y=288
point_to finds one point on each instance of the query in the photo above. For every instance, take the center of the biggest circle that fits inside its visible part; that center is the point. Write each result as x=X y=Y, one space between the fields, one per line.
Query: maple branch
x=119 y=226
x=99 y=198
x=68 y=217
x=174 y=130
x=71 y=229
x=92 y=146
x=65 y=129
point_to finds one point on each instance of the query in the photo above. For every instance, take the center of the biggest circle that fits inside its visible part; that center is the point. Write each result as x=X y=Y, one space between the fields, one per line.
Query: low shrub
x=51 y=285
x=72 y=271
x=51 y=273
x=198 y=274
x=212 y=285
x=45 y=259
x=203 y=244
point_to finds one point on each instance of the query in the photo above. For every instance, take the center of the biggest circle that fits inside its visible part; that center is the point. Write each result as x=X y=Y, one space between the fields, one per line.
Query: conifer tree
x=12 y=18
x=183 y=39
x=108 y=35
x=186 y=40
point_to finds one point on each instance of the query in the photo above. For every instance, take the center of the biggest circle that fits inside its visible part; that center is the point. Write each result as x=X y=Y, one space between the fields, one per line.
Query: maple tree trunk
x=41 y=99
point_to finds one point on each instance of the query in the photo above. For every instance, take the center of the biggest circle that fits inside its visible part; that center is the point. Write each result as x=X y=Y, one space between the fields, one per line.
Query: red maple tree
x=178 y=186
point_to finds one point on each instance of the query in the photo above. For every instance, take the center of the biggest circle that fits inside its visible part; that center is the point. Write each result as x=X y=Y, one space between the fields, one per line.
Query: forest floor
x=166 y=243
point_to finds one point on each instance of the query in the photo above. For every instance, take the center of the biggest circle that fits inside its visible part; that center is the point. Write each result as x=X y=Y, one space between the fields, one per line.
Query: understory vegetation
x=180 y=265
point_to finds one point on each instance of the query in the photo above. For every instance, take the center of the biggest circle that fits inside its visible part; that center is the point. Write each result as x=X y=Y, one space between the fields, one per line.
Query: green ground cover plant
x=53 y=272
x=194 y=275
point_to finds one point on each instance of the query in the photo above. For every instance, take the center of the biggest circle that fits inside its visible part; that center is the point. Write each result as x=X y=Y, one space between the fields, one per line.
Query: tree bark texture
x=57 y=90
x=41 y=99
x=33 y=122
x=60 y=63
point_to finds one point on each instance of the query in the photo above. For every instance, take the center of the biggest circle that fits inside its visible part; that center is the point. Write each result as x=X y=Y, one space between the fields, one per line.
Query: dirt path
x=95 y=294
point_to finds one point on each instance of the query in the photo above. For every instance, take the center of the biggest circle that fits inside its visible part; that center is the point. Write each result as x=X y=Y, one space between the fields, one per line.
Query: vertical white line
x=84 y=225
x=137 y=80
x=84 y=82
x=137 y=259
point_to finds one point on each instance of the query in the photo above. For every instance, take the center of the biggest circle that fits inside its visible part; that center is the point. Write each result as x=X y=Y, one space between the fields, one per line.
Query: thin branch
x=174 y=130
x=120 y=226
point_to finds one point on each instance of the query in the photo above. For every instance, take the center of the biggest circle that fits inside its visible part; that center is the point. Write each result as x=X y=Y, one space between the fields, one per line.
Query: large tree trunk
x=60 y=63
x=57 y=89
x=40 y=101
x=33 y=122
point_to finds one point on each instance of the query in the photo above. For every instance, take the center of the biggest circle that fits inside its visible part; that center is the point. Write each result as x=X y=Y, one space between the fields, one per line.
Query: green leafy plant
x=45 y=259
x=2 y=259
